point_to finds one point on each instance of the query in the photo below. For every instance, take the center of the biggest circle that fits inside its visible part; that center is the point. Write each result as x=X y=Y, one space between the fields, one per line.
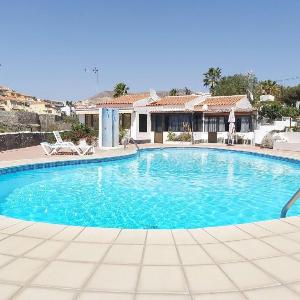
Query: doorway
x=158 y=129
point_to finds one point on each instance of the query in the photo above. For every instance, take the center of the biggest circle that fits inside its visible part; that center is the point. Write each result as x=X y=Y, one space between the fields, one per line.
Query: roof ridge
x=227 y=96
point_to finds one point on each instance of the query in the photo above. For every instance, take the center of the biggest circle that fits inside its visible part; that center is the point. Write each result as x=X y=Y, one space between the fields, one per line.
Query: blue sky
x=160 y=44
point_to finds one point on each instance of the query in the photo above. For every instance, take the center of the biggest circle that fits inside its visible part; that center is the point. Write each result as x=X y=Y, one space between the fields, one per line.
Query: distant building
x=149 y=118
x=11 y=100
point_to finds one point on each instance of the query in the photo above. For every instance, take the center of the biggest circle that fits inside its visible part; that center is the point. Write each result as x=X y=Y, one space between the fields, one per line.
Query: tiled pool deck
x=249 y=261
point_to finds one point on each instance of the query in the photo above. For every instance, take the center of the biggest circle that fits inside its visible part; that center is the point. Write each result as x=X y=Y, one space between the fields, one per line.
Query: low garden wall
x=19 y=140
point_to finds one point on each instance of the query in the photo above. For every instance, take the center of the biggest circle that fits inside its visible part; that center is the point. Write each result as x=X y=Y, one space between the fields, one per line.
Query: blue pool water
x=169 y=188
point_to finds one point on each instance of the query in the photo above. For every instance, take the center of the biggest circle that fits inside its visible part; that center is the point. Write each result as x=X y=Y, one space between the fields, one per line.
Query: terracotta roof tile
x=220 y=101
x=125 y=99
x=174 y=100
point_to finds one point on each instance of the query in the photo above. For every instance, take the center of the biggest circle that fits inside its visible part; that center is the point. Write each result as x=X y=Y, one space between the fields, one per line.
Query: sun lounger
x=82 y=149
x=50 y=149
x=85 y=148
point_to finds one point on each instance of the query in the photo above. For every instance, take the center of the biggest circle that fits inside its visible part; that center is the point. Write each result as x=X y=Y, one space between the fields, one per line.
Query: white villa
x=149 y=118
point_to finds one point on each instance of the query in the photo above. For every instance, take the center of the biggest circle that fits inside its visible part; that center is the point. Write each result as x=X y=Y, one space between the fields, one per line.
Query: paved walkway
x=249 y=261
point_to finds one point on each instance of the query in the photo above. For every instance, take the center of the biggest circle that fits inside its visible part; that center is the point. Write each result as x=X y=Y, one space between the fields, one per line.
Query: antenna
x=94 y=70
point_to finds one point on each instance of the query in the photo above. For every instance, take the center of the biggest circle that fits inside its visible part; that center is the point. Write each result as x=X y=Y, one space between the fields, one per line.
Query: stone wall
x=28 y=121
x=18 y=140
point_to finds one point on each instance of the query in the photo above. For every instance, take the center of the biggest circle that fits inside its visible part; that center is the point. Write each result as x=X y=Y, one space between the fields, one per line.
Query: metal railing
x=128 y=140
x=289 y=204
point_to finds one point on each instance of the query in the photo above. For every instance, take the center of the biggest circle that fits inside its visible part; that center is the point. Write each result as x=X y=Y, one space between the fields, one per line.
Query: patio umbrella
x=231 y=120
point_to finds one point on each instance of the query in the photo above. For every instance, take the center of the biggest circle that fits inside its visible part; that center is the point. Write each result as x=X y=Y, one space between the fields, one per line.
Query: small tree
x=173 y=92
x=290 y=111
x=272 y=110
x=120 y=89
x=291 y=95
x=211 y=78
x=237 y=84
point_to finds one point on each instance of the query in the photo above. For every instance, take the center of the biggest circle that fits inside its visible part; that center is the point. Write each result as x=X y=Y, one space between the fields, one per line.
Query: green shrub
x=182 y=137
x=171 y=136
x=81 y=131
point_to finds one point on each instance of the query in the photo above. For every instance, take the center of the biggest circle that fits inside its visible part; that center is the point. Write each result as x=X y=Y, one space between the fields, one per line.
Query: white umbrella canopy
x=231 y=121
x=231 y=118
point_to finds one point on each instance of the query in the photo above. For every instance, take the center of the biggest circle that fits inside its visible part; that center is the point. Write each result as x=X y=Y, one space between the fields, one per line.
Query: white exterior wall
x=142 y=135
x=81 y=119
x=264 y=129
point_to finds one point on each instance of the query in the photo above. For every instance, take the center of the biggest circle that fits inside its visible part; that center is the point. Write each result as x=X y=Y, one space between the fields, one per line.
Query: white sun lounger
x=51 y=149
x=83 y=147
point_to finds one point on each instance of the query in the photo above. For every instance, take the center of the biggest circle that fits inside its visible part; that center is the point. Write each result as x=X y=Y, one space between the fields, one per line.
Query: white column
x=134 y=125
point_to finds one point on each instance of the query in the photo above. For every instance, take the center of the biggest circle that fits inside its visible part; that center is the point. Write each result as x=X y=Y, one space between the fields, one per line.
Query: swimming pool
x=159 y=188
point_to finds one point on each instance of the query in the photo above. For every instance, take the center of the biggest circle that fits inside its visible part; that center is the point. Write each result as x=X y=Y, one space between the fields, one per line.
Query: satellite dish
x=153 y=95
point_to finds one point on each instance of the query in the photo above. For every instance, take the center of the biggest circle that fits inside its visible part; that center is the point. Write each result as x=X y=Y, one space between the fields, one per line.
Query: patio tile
x=162 y=297
x=193 y=255
x=45 y=294
x=160 y=237
x=64 y=274
x=124 y=254
x=254 y=230
x=114 y=278
x=277 y=226
x=183 y=237
x=3 y=236
x=84 y=252
x=162 y=279
x=129 y=236
x=283 y=268
x=41 y=230
x=7 y=291
x=202 y=237
x=4 y=259
x=294 y=236
x=160 y=255
x=253 y=249
x=207 y=279
x=17 y=245
x=227 y=233
x=221 y=296
x=247 y=276
x=7 y=222
x=17 y=227
x=292 y=220
x=68 y=234
x=105 y=296
x=273 y=293
x=98 y=235
x=220 y=253
x=46 y=250
x=296 y=256
x=283 y=244
x=21 y=269
x=295 y=287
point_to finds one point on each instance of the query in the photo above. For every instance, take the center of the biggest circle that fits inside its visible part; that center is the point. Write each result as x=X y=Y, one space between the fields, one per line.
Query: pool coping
x=259 y=260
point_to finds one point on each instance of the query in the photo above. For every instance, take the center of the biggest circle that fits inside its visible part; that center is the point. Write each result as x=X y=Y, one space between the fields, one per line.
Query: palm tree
x=120 y=89
x=187 y=91
x=211 y=78
x=173 y=92
x=269 y=87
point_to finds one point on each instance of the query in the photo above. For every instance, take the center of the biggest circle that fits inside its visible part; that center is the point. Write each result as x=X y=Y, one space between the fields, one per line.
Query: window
x=178 y=122
x=125 y=121
x=142 y=123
